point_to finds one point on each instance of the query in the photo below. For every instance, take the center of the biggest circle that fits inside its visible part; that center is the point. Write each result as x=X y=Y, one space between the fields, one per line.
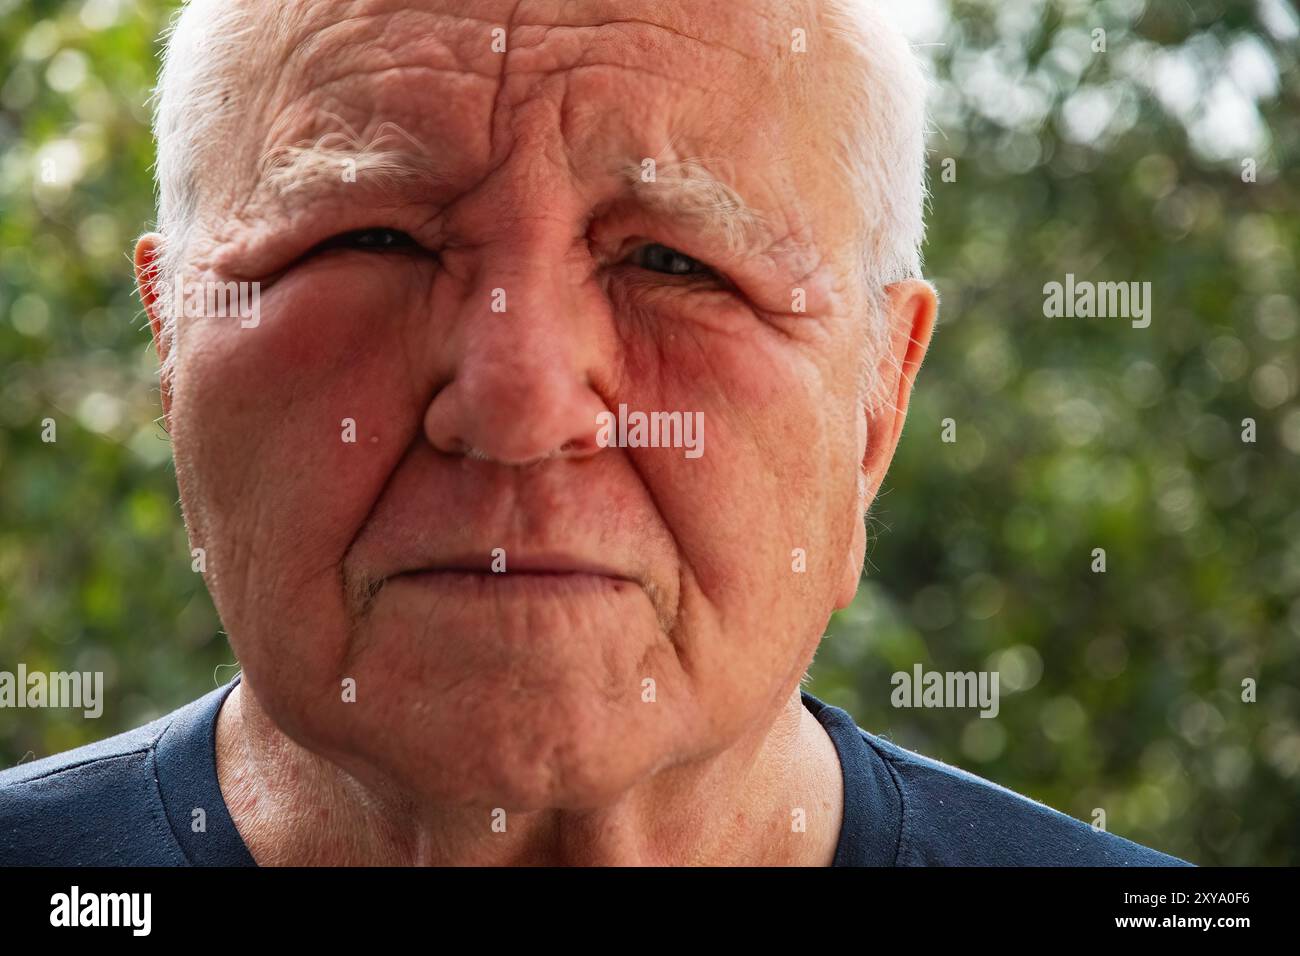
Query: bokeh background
x=1121 y=691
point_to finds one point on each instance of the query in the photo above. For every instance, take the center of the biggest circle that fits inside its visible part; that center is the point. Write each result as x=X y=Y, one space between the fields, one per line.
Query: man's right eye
x=377 y=239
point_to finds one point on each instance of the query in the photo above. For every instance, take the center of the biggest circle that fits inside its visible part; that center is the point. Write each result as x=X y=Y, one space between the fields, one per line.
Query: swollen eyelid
x=377 y=239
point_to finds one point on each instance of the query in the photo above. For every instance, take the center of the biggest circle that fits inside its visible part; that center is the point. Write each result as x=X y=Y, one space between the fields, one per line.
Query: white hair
x=880 y=146
x=882 y=153
x=196 y=91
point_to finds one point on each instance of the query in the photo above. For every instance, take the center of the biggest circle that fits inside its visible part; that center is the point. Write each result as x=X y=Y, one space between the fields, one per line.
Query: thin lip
x=554 y=564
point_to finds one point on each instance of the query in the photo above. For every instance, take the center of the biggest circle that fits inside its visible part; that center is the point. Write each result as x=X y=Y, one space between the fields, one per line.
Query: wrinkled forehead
x=596 y=80
x=706 y=55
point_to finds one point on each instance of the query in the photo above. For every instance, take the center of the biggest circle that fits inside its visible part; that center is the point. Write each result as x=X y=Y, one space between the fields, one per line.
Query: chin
x=537 y=709
x=491 y=746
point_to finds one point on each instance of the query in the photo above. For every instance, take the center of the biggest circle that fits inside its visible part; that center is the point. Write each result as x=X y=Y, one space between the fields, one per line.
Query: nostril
x=458 y=446
x=581 y=446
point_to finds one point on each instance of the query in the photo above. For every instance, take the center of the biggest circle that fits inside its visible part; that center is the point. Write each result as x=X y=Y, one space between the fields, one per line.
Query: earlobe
x=148 y=251
x=853 y=570
x=858 y=544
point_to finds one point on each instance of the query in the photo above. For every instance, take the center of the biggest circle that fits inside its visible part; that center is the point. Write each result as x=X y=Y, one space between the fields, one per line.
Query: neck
x=739 y=808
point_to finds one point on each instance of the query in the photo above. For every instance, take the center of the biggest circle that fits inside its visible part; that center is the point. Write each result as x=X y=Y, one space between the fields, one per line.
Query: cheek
x=766 y=496
x=284 y=435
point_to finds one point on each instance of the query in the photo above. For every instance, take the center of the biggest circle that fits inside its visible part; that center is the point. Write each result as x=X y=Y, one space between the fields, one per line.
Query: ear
x=911 y=308
x=148 y=254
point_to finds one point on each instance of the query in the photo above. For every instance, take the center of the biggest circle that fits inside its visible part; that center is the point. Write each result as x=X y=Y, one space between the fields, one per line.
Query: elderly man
x=484 y=613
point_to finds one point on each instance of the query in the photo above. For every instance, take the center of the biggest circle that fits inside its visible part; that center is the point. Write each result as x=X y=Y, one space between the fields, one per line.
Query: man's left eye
x=660 y=258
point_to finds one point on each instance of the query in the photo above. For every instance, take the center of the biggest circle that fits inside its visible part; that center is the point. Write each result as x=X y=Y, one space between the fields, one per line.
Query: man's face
x=475 y=428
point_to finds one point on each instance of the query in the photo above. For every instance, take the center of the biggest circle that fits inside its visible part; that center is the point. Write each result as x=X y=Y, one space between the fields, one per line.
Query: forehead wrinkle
x=316 y=41
x=686 y=190
x=319 y=34
x=414 y=52
x=640 y=22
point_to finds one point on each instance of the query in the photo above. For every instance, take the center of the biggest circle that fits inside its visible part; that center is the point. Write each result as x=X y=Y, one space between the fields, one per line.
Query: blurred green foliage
x=1121 y=691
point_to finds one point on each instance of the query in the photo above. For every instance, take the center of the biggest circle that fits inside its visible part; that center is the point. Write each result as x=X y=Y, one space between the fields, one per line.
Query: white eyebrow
x=392 y=158
x=381 y=157
x=688 y=190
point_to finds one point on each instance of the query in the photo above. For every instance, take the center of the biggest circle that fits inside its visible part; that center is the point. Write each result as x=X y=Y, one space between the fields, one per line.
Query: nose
x=521 y=389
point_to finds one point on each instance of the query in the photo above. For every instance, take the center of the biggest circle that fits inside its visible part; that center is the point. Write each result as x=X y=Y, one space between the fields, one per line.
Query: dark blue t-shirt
x=132 y=800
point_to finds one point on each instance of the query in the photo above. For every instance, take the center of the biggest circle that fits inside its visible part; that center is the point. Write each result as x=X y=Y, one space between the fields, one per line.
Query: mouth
x=537 y=573
x=472 y=587
x=540 y=578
